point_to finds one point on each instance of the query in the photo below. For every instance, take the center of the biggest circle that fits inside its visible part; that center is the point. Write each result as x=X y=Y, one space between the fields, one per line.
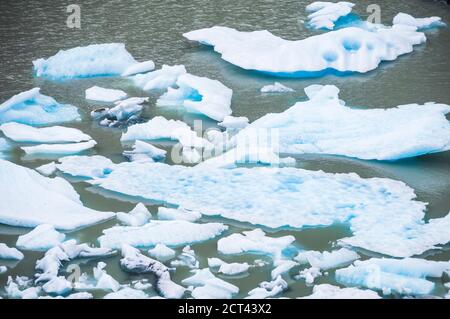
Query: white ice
x=19 y=289
x=47 y=169
x=101 y=280
x=33 y=108
x=97 y=93
x=57 y=286
x=127 y=293
x=160 y=79
x=178 y=214
x=277 y=87
x=208 y=286
x=283 y=266
x=85 y=166
x=138 y=216
x=59 y=149
x=3 y=269
x=88 y=61
x=10 y=252
x=230 y=269
x=327 y=260
x=140 y=67
x=127 y=108
x=145 y=152
x=234 y=122
x=324 y=14
x=326 y=291
x=162 y=252
x=41 y=238
x=309 y=274
x=419 y=23
x=187 y=258
x=268 y=289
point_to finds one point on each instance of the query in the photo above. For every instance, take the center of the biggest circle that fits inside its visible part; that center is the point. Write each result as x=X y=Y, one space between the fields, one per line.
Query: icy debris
x=170 y=233
x=327 y=260
x=85 y=166
x=323 y=15
x=419 y=23
x=124 y=112
x=19 y=289
x=282 y=266
x=141 y=67
x=97 y=93
x=133 y=261
x=309 y=274
x=345 y=50
x=138 y=216
x=145 y=152
x=10 y=252
x=326 y=291
x=199 y=95
x=402 y=276
x=43 y=237
x=268 y=289
x=208 y=286
x=277 y=87
x=88 y=61
x=187 y=258
x=33 y=108
x=254 y=241
x=47 y=169
x=233 y=122
x=162 y=252
x=160 y=79
x=178 y=214
x=127 y=293
x=324 y=125
x=54 y=134
x=59 y=149
x=100 y=281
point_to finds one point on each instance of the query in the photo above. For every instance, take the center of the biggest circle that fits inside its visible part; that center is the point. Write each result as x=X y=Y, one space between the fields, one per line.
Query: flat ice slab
x=345 y=50
x=59 y=149
x=97 y=93
x=33 y=108
x=30 y=199
x=88 y=61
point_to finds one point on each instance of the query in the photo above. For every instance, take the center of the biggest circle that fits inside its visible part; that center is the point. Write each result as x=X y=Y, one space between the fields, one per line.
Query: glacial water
x=153 y=30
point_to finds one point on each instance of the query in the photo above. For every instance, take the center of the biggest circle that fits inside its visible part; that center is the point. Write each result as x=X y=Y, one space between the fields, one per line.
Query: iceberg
x=283 y=266
x=323 y=14
x=141 y=67
x=55 y=134
x=178 y=214
x=324 y=125
x=41 y=238
x=101 y=280
x=138 y=216
x=187 y=258
x=230 y=269
x=162 y=252
x=326 y=291
x=419 y=23
x=29 y=199
x=97 y=93
x=199 y=95
x=208 y=286
x=268 y=289
x=342 y=51
x=170 y=233
x=233 y=122
x=88 y=61
x=309 y=274
x=123 y=111
x=277 y=87
x=10 y=252
x=145 y=152
x=85 y=166
x=327 y=260
x=59 y=149
x=33 y=108
x=57 y=286
x=160 y=79
x=47 y=169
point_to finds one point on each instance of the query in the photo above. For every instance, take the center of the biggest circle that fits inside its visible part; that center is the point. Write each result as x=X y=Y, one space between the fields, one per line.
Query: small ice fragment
x=41 y=238
x=138 y=216
x=277 y=87
x=97 y=93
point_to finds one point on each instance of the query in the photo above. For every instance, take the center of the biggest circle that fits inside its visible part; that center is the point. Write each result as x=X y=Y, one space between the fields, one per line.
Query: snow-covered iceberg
x=323 y=14
x=345 y=50
x=33 y=108
x=199 y=95
x=160 y=79
x=88 y=61
x=419 y=23
x=59 y=149
x=43 y=237
x=324 y=125
x=54 y=134
x=97 y=93
x=29 y=199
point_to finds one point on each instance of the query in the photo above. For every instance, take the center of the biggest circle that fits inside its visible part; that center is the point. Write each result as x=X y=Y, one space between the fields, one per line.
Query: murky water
x=153 y=30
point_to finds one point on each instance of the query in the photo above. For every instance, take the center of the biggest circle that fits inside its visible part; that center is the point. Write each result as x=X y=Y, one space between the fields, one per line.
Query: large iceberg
x=33 y=108
x=29 y=199
x=91 y=60
x=323 y=14
x=324 y=125
x=199 y=95
x=345 y=50
x=54 y=134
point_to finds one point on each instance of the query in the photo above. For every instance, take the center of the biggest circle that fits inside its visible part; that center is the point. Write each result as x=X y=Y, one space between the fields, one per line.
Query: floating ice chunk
x=32 y=108
x=309 y=274
x=162 y=252
x=209 y=286
x=142 y=284
x=133 y=261
x=327 y=260
x=145 y=152
x=141 y=67
x=186 y=259
x=85 y=166
x=57 y=286
x=234 y=123
x=282 y=266
x=30 y=199
x=3 y=269
x=323 y=125
x=346 y=50
x=59 y=149
x=136 y=217
x=127 y=293
x=190 y=155
x=170 y=233
x=160 y=79
x=324 y=14
x=126 y=109
x=326 y=291
x=4 y=146
x=254 y=241
x=419 y=23
x=277 y=87
x=101 y=281
x=10 y=252
x=268 y=289
x=97 y=93
x=47 y=169
x=403 y=276
x=55 y=134
x=178 y=214
x=88 y=61
x=233 y=268
x=15 y=289
x=199 y=95
x=43 y=237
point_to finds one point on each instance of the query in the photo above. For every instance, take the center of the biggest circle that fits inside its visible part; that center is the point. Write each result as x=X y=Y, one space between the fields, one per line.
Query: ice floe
x=30 y=199
x=3 y=269
x=208 y=286
x=162 y=252
x=327 y=260
x=419 y=23
x=88 y=61
x=127 y=293
x=268 y=289
x=309 y=274
x=326 y=291
x=225 y=268
x=277 y=87
x=324 y=125
x=138 y=216
x=187 y=258
x=323 y=14
x=47 y=169
x=33 y=108
x=141 y=67
x=282 y=266
x=10 y=252
x=199 y=95
x=345 y=50
x=18 y=288
x=233 y=122
x=178 y=214
x=59 y=149
x=171 y=233
x=43 y=237
x=101 y=280
x=160 y=79
x=57 y=286
x=85 y=166
x=144 y=152
x=97 y=93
